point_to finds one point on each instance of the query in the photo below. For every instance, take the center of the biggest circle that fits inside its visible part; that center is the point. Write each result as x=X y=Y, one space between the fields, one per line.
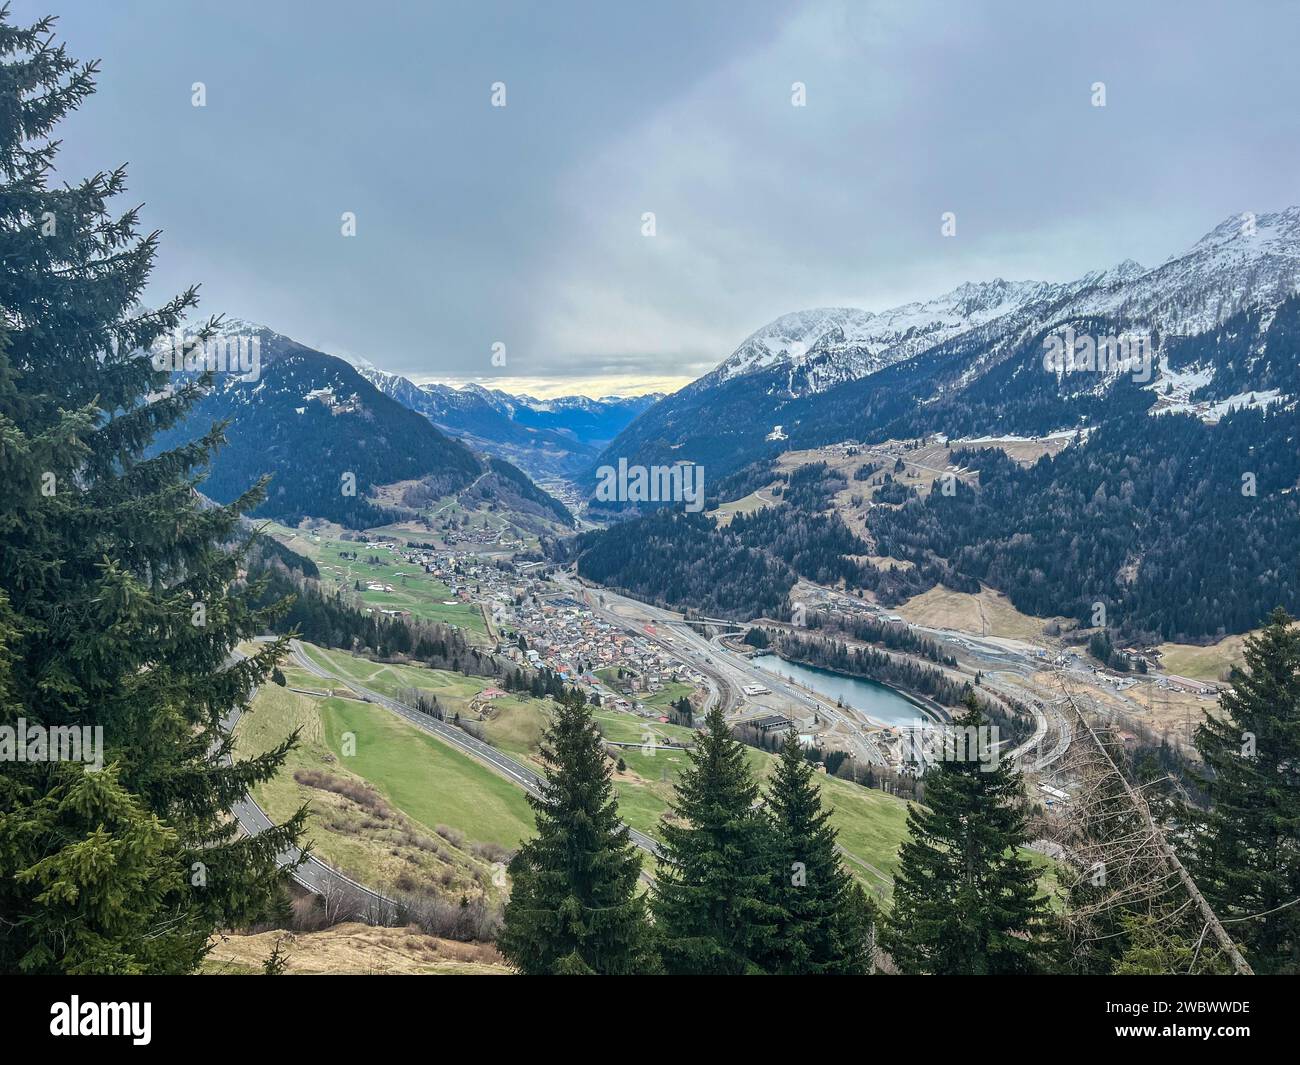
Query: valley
x=381 y=580
x=399 y=807
x=891 y=554
x=588 y=636
x=646 y=490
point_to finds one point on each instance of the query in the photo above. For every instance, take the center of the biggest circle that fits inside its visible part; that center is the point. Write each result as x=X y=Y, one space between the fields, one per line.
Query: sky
x=525 y=225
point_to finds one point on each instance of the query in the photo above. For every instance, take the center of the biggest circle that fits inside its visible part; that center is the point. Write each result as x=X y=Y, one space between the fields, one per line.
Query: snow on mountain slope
x=1243 y=261
x=547 y=438
x=827 y=346
x=473 y=395
x=1224 y=313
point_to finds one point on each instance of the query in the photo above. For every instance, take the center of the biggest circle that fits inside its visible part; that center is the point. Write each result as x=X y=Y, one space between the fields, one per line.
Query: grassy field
x=514 y=723
x=425 y=778
x=376 y=815
x=989 y=613
x=353 y=949
x=659 y=700
x=390 y=678
x=628 y=728
x=1203 y=663
x=871 y=824
x=412 y=589
x=667 y=695
x=749 y=504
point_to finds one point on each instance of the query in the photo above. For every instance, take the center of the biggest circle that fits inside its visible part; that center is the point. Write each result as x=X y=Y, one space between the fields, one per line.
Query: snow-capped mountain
x=1244 y=260
x=592 y=421
x=1219 y=318
x=548 y=438
x=827 y=346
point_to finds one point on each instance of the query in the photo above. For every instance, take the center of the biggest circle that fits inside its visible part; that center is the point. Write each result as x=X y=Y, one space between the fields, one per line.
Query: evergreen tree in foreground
x=115 y=609
x=826 y=921
x=1244 y=853
x=574 y=906
x=965 y=898
x=713 y=899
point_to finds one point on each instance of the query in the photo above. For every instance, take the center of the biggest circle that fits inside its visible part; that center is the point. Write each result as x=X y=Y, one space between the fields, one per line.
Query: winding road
x=516 y=771
x=335 y=887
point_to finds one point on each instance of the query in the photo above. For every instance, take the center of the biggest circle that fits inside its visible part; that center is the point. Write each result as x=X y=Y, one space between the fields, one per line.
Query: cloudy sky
x=523 y=225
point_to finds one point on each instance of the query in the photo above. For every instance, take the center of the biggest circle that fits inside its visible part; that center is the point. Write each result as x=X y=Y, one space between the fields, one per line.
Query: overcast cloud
x=523 y=225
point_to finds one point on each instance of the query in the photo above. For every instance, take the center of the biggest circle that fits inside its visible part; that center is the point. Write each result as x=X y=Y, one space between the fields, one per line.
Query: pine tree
x=713 y=899
x=116 y=610
x=1154 y=947
x=1244 y=853
x=826 y=921
x=574 y=906
x=964 y=897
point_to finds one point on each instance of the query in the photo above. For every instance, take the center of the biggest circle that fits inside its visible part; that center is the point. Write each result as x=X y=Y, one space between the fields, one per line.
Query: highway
x=992 y=658
x=341 y=893
x=727 y=671
x=353 y=900
x=475 y=748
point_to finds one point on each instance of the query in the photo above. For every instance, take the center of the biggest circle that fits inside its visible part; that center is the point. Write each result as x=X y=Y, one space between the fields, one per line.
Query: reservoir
x=878 y=702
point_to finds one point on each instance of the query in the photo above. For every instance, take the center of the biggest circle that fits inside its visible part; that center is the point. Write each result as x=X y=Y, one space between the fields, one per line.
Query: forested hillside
x=1183 y=530
x=744 y=569
x=309 y=422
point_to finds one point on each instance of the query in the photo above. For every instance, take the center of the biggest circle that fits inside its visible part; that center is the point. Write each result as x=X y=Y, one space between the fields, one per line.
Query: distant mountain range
x=546 y=438
x=971 y=360
x=1175 y=505
x=1155 y=477
x=329 y=439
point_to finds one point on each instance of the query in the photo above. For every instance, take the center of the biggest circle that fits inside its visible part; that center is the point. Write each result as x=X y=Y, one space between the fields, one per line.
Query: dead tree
x=1119 y=865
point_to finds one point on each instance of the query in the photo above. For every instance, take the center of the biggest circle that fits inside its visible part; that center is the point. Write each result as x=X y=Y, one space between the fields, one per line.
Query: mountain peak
x=1265 y=232
x=825 y=346
x=1118 y=274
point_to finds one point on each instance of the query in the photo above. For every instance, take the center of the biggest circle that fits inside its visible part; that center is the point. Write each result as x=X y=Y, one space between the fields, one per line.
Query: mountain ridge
x=330 y=438
x=929 y=350
x=552 y=438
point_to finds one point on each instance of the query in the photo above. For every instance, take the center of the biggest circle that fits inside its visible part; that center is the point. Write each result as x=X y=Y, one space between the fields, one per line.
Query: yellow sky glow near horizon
x=553 y=387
